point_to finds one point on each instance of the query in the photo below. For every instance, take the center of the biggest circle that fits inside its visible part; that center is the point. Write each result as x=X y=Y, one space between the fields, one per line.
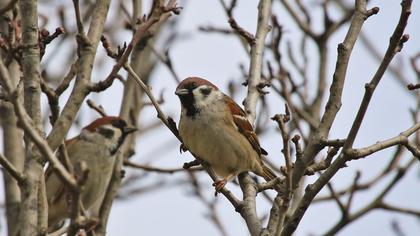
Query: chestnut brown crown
x=115 y=121
x=194 y=82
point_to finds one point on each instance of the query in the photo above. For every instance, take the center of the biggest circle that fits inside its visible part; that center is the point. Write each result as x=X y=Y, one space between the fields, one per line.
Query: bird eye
x=194 y=85
x=205 y=91
x=107 y=133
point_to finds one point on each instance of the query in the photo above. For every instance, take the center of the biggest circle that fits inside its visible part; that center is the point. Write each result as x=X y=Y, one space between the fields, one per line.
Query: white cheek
x=198 y=96
x=202 y=101
x=100 y=140
x=113 y=142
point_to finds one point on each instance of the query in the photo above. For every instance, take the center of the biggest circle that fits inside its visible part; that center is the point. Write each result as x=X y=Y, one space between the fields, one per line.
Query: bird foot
x=219 y=185
x=182 y=148
x=91 y=224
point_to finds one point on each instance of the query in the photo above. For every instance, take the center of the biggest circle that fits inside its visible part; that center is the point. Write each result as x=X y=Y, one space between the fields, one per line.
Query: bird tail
x=268 y=174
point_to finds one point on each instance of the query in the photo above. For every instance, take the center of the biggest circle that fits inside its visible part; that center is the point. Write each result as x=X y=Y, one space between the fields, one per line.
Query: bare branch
x=166 y=59
x=304 y=26
x=11 y=169
x=375 y=203
x=211 y=204
x=396 y=42
x=32 y=132
x=160 y=114
x=249 y=209
x=400 y=139
x=87 y=45
x=250 y=103
x=336 y=89
x=241 y=31
x=67 y=79
x=270 y=184
x=79 y=20
x=402 y=210
x=324 y=164
x=414 y=65
x=395 y=45
x=160 y=170
x=98 y=109
x=353 y=190
x=337 y=200
x=332 y=142
x=281 y=119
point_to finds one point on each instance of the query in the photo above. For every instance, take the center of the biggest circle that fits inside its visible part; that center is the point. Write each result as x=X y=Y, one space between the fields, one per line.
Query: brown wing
x=244 y=127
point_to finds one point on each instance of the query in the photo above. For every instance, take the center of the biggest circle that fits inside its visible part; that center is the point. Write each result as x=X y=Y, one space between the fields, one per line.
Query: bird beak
x=129 y=129
x=181 y=92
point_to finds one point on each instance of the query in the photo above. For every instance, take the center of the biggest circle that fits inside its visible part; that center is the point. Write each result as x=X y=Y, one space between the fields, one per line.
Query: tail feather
x=268 y=174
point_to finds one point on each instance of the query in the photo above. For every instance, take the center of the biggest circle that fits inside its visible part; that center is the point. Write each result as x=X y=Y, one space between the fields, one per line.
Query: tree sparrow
x=216 y=129
x=95 y=146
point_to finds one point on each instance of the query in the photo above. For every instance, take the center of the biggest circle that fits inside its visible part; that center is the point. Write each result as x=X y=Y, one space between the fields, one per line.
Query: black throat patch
x=188 y=102
x=120 y=142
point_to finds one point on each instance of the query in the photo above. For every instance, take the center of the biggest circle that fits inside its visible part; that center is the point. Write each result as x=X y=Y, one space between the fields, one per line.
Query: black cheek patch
x=119 y=124
x=205 y=91
x=107 y=133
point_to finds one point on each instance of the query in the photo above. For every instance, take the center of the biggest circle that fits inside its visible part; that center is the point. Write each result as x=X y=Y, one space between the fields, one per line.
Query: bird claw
x=91 y=223
x=219 y=185
x=182 y=148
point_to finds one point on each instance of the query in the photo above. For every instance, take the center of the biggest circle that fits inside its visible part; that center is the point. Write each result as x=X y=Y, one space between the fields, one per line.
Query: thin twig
x=281 y=120
x=166 y=59
x=402 y=139
x=160 y=170
x=98 y=109
x=79 y=20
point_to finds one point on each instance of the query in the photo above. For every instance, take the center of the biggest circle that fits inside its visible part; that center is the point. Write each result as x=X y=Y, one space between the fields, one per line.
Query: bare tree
x=88 y=38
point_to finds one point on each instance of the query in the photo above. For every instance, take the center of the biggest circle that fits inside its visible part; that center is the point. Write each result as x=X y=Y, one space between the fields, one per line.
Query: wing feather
x=243 y=125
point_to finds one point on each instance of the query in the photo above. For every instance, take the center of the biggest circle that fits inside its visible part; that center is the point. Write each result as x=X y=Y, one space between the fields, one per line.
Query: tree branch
x=400 y=139
x=395 y=44
x=249 y=207
x=87 y=45
x=336 y=89
x=304 y=26
x=27 y=125
x=11 y=169
x=254 y=81
x=159 y=170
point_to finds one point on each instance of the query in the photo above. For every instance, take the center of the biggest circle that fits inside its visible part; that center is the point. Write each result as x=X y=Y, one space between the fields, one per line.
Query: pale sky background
x=172 y=210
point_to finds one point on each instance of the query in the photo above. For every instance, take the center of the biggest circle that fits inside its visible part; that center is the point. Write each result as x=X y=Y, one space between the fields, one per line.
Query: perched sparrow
x=95 y=146
x=215 y=128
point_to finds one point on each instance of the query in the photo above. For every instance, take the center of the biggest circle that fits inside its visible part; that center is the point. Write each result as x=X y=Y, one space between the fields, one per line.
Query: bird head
x=110 y=129
x=196 y=93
